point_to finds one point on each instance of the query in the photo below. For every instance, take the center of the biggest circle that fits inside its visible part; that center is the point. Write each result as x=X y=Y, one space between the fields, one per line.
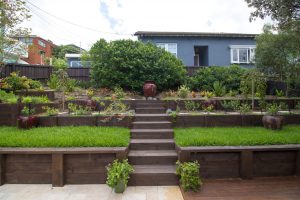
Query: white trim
x=250 y=53
x=72 y=55
x=166 y=46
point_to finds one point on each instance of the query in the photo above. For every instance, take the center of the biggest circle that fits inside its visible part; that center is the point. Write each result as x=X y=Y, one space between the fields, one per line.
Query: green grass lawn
x=236 y=136
x=83 y=136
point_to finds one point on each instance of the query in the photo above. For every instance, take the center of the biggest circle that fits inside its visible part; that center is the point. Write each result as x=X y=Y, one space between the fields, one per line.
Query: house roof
x=193 y=34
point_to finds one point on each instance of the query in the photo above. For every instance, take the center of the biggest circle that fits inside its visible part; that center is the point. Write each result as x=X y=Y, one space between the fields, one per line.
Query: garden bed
x=48 y=93
x=241 y=152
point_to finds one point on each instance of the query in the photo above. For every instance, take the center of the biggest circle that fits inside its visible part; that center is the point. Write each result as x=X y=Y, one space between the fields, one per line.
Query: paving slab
x=86 y=192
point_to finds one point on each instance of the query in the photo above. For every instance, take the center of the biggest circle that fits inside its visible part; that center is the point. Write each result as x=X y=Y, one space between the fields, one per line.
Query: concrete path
x=87 y=192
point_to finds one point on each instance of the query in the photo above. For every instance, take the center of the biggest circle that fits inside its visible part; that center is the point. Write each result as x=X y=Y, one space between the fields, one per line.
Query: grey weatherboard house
x=205 y=49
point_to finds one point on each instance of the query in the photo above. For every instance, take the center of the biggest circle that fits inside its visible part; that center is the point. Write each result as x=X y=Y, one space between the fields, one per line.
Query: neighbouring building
x=38 y=49
x=205 y=49
x=74 y=60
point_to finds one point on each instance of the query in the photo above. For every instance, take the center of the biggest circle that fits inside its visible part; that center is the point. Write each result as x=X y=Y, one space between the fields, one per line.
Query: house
x=205 y=49
x=38 y=49
x=74 y=60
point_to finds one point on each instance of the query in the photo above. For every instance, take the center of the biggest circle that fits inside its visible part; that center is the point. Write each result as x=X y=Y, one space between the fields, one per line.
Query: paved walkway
x=87 y=192
x=282 y=188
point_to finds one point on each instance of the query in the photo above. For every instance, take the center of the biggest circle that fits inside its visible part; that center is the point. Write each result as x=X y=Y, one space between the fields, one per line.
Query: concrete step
x=157 y=110
x=152 y=144
x=153 y=175
x=152 y=157
x=152 y=117
x=152 y=125
x=152 y=133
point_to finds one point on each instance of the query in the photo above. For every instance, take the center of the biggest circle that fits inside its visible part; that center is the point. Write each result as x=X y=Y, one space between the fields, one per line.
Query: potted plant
x=272 y=120
x=118 y=175
x=26 y=120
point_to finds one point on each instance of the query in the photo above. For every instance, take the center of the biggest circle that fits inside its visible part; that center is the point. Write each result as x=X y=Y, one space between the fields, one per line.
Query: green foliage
x=272 y=108
x=262 y=104
x=62 y=50
x=9 y=98
x=53 y=82
x=298 y=105
x=78 y=109
x=219 y=89
x=205 y=78
x=244 y=108
x=35 y=99
x=279 y=93
x=118 y=171
x=69 y=136
x=128 y=64
x=283 y=106
x=259 y=81
x=191 y=106
x=236 y=136
x=60 y=63
x=116 y=107
x=26 y=111
x=50 y=110
x=183 y=91
x=231 y=105
x=119 y=92
x=208 y=108
x=15 y=82
x=189 y=175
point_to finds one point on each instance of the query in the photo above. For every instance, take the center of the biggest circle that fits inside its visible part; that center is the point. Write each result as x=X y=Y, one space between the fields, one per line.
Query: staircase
x=152 y=148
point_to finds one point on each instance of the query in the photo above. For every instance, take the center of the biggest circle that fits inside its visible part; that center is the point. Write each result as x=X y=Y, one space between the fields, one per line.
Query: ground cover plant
x=83 y=136
x=236 y=136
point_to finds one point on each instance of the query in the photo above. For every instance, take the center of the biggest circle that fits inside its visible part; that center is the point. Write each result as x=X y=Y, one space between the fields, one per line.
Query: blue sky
x=117 y=19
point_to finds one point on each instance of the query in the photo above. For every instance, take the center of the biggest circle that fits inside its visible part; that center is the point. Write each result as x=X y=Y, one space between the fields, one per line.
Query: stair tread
x=151 y=130
x=152 y=122
x=150 y=141
x=158 y=153
x=152 y=115
x=154 y=169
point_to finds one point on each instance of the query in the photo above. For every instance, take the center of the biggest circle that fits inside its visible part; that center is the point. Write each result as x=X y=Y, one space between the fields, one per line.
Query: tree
x=285 y=12
x=128 y=64
x=13 y=13
x=62 y=50
x=279 y=55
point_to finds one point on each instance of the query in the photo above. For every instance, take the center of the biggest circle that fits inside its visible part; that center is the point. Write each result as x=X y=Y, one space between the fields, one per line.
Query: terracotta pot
x=149 y=89
x=272 y=122
x=26 y=122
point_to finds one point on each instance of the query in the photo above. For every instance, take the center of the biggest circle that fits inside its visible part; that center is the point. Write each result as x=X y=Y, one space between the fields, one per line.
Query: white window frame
x=166 y=47
x=250 y=53
x=42 y=43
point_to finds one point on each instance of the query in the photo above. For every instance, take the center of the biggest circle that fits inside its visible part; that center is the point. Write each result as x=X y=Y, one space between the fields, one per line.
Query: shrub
x=119 y=92
x=78 y=109
x=53 y=82
x=128 y=64
x=15 y=82
x=50 y=111
x=8 y=97
x=191 y=105
x=244 y=108
x=35 y=99
x=219 y=89
x=205 y=78
x=189 y=175
x=183 y=91
x=272 y=109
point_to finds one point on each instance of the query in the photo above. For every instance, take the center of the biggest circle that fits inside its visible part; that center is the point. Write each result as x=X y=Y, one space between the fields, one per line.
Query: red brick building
x=38 y=49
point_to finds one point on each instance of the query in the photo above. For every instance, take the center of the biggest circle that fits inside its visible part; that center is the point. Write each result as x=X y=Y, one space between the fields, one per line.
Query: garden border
x=24 y=165
x=244 y=162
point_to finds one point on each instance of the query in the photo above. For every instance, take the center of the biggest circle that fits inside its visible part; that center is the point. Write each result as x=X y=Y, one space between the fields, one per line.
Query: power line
x=74 y=24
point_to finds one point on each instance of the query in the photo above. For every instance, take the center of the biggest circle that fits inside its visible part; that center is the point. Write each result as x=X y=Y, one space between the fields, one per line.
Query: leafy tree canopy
x=285 y=12
x=12 y=14
x=128 y=64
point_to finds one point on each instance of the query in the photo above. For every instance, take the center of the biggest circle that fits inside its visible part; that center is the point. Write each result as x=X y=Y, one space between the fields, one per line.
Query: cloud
x=125 y=17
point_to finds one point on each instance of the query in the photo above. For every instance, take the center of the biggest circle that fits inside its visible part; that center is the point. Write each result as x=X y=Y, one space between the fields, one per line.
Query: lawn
x=236 y=136
x=83 y=136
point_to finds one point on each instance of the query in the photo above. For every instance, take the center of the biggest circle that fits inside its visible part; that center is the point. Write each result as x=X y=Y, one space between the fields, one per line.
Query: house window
x=27 y=41
x=170 y=47
x=242 y=54
x=41 y=43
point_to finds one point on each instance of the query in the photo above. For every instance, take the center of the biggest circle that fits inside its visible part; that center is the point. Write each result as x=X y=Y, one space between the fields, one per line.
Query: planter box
x=211 y=120
x=39 y=107
x=244 y=162
x=9 y=114
x=76 y=121
x=49 y=93
x=48 y=121
x=58 y=166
